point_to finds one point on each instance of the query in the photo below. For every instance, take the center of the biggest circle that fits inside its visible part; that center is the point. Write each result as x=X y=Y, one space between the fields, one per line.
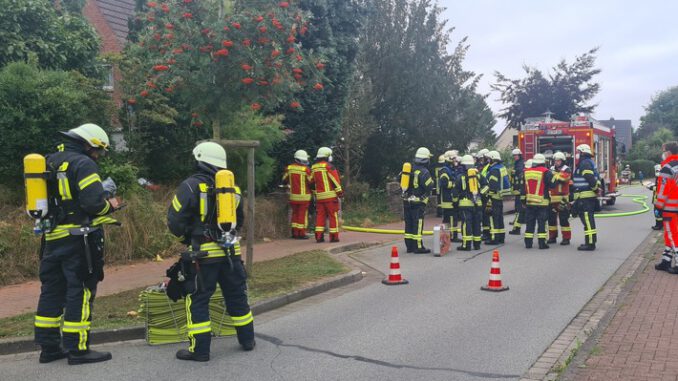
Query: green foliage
x=34 y=30
x=564 y=92
x=124 y=173
x=424 y=96
x=647 y=166
x=36 y=104
x=650 y=148
x=662 y=112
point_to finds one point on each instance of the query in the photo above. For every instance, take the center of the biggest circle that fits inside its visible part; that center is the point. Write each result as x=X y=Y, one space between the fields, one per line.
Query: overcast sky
x=638 y=43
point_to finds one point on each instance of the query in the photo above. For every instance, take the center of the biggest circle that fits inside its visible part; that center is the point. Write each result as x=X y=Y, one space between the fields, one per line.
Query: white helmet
x=559 y=156
x=584 y=148
x=494 y=155
x=301 y=155
x=467 y=160
x=323 y=152
x=210 y=153
x=483 y=153
x=528 y=164
x=538 y=159
x=91 y=134
x=516 y=151
x=441 y=159
x=423 y=153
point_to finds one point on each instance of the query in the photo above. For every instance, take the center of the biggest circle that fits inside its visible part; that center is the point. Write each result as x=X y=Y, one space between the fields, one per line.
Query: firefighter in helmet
x=658 y=220
x=436 y=178
x=71 y=263
x=327 y=193
x=585 y=187
x=299 y=179
x=667 y=194
x=193 y=217
x=499 y=187
x=518 y=190
x=445 y=184
x=469 y=188
x=560 y=200
x=537 y=181
x=415 y=199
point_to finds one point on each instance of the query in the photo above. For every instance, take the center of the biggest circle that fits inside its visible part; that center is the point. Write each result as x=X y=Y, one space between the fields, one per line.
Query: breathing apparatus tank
x=405 y=176
x=224 y=183
x=35 y=181
x=473 y=181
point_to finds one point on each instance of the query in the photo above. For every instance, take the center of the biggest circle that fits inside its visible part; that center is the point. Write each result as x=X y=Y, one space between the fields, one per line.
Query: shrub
x=647 y=166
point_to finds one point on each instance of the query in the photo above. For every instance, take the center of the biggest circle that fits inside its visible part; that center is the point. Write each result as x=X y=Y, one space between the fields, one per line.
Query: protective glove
x=109 y=187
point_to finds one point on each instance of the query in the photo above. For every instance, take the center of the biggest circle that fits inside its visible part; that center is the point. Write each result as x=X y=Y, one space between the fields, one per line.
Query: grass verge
x=271 y=278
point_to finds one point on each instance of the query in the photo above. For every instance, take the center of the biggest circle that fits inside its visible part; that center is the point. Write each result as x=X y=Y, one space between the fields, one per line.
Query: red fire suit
x=667 y=202
x=327 y=193
x=299 y=178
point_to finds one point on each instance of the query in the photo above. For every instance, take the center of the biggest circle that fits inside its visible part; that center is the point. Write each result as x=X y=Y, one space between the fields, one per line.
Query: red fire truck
x=547 y=136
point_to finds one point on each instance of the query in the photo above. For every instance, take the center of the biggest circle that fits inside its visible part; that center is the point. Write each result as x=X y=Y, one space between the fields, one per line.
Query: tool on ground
x=394 y=276
x=495 y=284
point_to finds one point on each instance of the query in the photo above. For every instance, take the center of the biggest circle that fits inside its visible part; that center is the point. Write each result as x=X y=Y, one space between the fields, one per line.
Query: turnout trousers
x=327 y=209
x=451 y=218
x=562 y=216
x=587 y=207
x=519 y=218
x=299 y=218
x=414 y=224
x=64 y=295
x=535 y=215
x=470 y=226
x=497 y=230
x=233 y=284
x=670 y=220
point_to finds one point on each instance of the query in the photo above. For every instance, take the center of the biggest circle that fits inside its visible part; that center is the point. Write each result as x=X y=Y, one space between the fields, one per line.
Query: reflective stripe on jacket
x=536 y=180
x=326 y=181
x=299 y=178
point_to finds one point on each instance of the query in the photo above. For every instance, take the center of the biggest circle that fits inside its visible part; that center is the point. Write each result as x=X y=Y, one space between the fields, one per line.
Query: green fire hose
x=637 y=198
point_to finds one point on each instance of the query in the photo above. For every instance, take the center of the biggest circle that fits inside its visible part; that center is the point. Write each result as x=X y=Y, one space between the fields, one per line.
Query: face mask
x=577 y=156
x=665 y=155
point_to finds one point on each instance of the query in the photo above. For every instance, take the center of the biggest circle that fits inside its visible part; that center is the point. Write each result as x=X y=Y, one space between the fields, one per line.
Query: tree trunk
x=347 y=167
x=216 y=129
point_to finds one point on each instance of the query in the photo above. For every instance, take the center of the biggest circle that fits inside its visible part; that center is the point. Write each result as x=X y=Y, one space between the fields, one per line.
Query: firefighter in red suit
x=667 y=202
x=537 y=182
x=299 y=178
x=560 y=200
x=327 y=193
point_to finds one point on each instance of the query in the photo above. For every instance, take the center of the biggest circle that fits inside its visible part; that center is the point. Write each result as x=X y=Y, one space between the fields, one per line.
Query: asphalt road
x=439 y=327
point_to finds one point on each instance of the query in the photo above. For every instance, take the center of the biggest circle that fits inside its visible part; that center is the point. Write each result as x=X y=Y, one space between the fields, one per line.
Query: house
x=507 y=139
x=623 y=133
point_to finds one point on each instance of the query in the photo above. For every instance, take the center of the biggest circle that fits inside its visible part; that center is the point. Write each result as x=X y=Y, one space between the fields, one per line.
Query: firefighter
x=192 y=216
x=453 y=158
x=327 y=193
x=518 y=190
x=483 y=165
x=537 y=181
x=667 y=202
x=299 y=178
x=415 y=199
x=586 y=185
x=499 y=186
x=436 y=173
x=71 y=260
x=469 y=188
x=560 y=200
x=658 y=221
x=445 y=184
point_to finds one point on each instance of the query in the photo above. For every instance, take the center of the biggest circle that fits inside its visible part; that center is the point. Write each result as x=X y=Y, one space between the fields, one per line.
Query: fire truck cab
x=548 y=136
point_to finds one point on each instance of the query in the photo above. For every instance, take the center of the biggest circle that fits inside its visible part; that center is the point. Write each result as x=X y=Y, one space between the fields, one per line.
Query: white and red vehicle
x=547 y=136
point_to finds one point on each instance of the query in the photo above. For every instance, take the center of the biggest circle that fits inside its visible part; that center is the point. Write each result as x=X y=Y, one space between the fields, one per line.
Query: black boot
x=586 y=247
x=658 y=226
x=464 y=248
x=476 y=245
x=551 y=240
x=542 y=244
x=672 y=270
x=87 y=357
x=49 y=354
x=422 y=250
x=455 y=238
x=185 y=354
x=515 y=231
x=565 y=242
x=528 y=243
x=661 y=266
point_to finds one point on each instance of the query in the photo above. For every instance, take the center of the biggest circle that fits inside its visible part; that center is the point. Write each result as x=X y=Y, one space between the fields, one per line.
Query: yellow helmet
x=323 y=152
x=301 y=155
x=559 y=156
x=584 y=148
x=483 y=153
x=467 y=160
x=493 y=155
x=210 y=153
x=422 y=153
x=91 y=134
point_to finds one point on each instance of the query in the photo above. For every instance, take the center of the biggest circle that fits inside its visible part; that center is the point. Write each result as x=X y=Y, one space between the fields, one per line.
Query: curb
x=577 y=338
x=26 y=344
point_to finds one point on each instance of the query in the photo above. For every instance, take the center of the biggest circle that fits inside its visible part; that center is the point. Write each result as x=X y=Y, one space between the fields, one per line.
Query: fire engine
x=546 y=136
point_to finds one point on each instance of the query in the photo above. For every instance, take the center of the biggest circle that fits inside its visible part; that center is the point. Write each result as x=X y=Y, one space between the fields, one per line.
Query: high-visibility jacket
x=667 y=194
x=326 y=181
x=560 y=189
x=469 y=188
x=299 y=178
x=436 y=174
x=517 y=176
x=421 y=185
x=192 y=215
x=446 y=179
x=76 y=195
x=498 y=181
x=585 y=179
x=537 y=180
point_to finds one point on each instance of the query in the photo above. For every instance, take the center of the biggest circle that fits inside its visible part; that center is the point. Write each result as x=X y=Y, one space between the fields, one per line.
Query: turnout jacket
x=192 y=214
x=76 y=195
x=585 y=181
x=469 y=188
x=517 y=176
x=421 y=184
x=299 y=178
x=326 y=181
x=667 y=193
x=446 y=180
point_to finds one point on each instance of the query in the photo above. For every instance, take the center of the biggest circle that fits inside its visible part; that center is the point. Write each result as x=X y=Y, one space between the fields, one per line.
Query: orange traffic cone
x=495 y=276
x=394 y=276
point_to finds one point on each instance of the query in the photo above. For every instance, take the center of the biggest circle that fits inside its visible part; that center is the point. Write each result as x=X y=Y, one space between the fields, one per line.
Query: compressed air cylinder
x=405 y=176
x=226 y=199
x=35 y=185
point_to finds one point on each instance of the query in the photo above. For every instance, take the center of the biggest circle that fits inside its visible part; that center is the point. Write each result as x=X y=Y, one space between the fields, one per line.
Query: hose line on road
x=637 y=198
